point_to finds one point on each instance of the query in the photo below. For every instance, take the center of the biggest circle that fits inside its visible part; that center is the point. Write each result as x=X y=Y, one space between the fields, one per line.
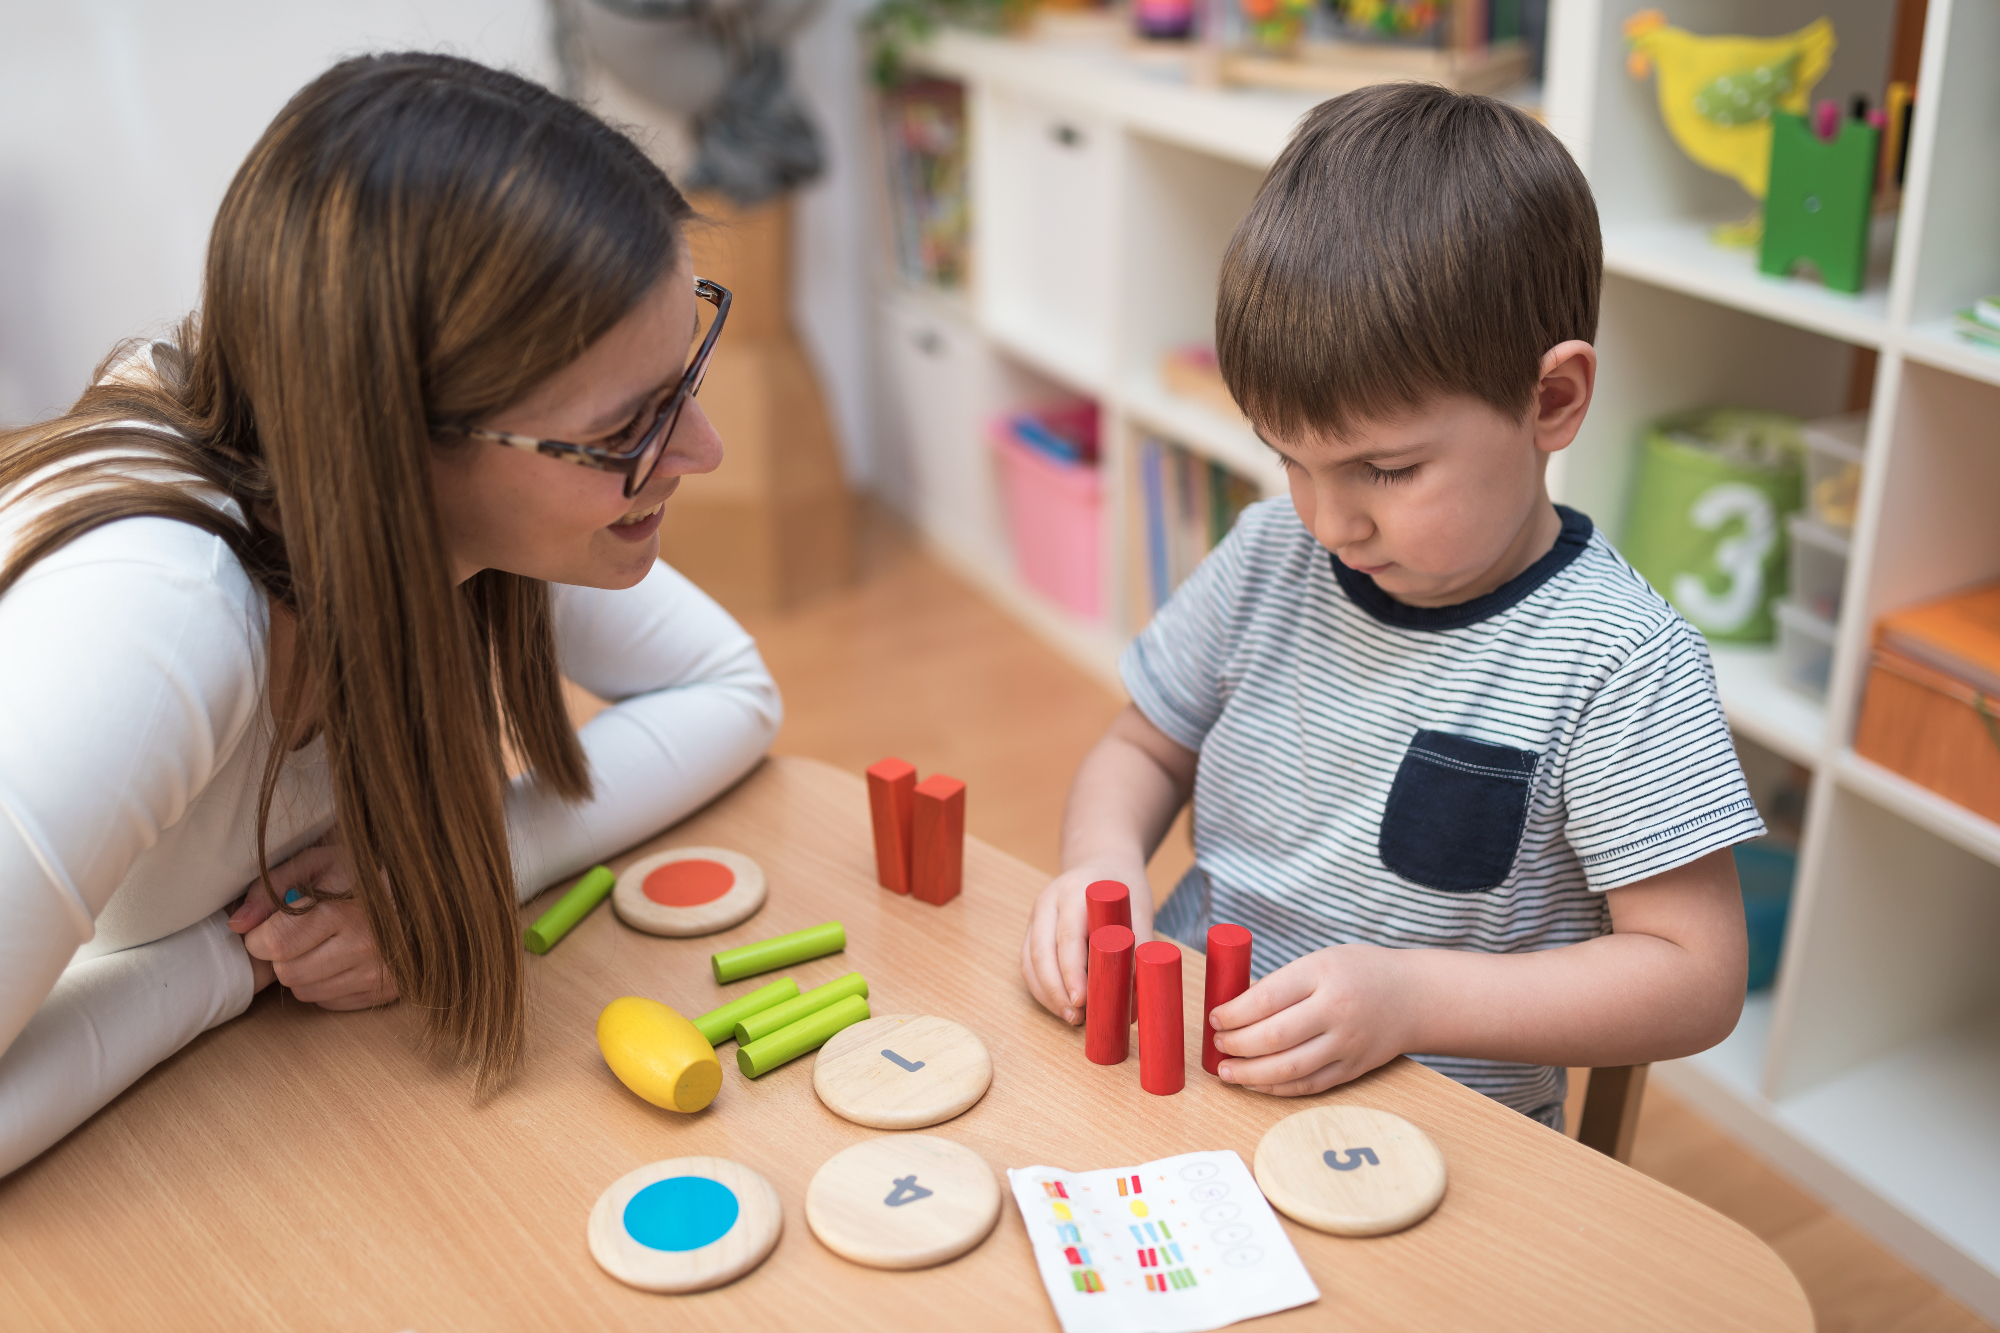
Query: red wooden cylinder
x=1162 y=1037
x=1228 y=977
x=1107 y=1016
x=1110 y=904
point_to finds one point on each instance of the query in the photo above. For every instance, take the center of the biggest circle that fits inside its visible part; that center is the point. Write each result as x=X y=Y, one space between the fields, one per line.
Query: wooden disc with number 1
x=902 y=1071
x=903 y=1201
x=1350 y=1170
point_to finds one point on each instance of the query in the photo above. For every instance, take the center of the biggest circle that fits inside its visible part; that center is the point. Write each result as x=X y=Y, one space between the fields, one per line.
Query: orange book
x=1958 y=635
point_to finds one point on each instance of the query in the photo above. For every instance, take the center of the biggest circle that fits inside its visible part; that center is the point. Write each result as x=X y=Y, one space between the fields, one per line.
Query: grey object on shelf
x=720 y=64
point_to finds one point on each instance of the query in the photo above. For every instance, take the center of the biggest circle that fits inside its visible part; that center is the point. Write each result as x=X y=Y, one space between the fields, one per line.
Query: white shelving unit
x=1104 y=196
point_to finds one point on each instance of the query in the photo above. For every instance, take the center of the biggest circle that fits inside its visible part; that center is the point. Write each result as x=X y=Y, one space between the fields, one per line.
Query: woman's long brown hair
x=415 y=242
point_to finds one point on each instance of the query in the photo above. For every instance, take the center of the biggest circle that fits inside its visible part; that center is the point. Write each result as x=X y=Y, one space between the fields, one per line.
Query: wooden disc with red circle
x=689 y=891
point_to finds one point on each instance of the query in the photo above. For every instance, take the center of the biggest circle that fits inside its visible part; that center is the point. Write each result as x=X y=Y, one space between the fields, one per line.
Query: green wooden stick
x=770 y=955
x=808 y=1034
x=756 y=1027
x=718 y=1024
x=571 y=908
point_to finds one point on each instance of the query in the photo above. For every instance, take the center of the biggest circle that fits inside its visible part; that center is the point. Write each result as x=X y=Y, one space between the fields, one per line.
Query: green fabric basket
x=1707 y=526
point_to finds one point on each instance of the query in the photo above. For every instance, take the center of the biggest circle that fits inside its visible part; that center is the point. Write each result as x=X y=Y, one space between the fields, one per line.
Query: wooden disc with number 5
x=1350 y=1170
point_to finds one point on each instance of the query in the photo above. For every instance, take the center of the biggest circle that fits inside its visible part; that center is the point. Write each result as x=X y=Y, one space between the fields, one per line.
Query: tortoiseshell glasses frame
x=638 y=462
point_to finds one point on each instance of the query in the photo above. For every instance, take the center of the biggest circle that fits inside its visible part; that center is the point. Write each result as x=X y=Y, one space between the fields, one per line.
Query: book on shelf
x=1184 y=505
x=924 y=165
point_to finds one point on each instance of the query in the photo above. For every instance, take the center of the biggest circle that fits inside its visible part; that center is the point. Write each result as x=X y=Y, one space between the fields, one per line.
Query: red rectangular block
x=892 y=789
x=937 y=862
x=1228 y=977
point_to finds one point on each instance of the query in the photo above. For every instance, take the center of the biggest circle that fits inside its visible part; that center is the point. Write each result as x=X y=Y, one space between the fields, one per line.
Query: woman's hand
x=1057 y=947
x=326 y=956
x=1318 y=1021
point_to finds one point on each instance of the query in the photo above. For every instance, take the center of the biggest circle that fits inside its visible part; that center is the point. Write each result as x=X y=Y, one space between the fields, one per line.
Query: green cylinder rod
x=571 y=908
x=756 y=1027
x=808 y=1034
x=718 y=1024
x=770 y=955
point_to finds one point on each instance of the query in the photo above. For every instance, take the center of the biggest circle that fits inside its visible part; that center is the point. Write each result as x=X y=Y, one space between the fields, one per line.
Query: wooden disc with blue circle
x=686 y=1224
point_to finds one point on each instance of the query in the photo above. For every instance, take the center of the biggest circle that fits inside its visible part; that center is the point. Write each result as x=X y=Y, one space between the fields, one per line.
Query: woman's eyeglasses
x=637 y=462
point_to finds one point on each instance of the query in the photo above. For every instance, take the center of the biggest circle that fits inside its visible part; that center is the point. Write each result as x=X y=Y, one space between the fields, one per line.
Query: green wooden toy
x=569 y=909
x=719 y=1024
x=1818 y=207
x=808 y=1034
x=769 y=955
x=756 y=1027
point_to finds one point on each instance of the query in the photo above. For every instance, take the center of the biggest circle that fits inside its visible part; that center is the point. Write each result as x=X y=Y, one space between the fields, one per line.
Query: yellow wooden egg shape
x=658 y=1054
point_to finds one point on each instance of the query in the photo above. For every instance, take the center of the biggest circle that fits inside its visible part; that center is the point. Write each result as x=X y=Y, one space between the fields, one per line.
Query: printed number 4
x=1354 y=1157
x=907 y=1191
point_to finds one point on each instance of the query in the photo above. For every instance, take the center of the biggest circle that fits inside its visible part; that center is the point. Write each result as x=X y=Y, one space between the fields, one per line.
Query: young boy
x=1461 y=772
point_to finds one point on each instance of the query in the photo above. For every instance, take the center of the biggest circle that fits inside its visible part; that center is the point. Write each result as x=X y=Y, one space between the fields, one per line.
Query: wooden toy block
x=892 y=787
x=689 y=891
x=1820 y=199
x=937 y=862
x=903 y=1201
x=569 y=909
x=1162 y=1034
x=756 y=1027
x=1107 y=1013
x=1350 y=1170
x=808 y=1034
x=719 y=1025
x=658 y=1054
x=1228 y=977
x=1110 y=904
x=686 y=1224
x=902 y=1071
x=780 y=951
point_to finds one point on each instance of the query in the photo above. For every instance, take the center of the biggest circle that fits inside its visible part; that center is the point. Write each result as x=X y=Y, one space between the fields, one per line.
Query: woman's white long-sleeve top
x=134 y=729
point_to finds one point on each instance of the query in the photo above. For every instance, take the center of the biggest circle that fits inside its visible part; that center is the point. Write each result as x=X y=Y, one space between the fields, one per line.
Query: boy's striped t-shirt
x=1463 y=777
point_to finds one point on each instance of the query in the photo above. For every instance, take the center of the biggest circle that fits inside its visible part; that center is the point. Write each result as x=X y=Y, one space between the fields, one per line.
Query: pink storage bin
x=1054 y=512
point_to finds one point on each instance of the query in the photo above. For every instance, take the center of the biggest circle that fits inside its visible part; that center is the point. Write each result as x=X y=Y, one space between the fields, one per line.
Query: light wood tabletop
x=307 y=1170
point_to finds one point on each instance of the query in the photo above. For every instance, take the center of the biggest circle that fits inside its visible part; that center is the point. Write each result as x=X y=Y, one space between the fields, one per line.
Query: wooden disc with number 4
x=1350 y=1170
x=902 y=1071
x=903 y=1201
x=689 y=891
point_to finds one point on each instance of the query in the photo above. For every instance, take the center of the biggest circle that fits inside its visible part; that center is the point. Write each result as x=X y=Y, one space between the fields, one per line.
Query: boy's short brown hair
x=1410 y=242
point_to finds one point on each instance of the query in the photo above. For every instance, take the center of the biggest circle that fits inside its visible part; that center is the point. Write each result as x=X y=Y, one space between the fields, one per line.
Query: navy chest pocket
x=1456 y=811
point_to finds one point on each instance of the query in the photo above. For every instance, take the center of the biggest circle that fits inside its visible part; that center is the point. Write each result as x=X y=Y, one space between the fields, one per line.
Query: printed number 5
x=1354 y=1157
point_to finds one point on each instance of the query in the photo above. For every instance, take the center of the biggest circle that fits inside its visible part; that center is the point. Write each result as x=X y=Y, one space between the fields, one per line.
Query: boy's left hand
x=1318 y=1021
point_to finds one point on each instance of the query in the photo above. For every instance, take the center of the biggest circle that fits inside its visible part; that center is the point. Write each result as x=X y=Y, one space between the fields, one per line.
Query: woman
x=276 y=595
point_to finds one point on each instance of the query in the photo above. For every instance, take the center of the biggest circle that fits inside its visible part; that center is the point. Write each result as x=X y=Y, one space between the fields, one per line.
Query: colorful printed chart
x=1180 y=1245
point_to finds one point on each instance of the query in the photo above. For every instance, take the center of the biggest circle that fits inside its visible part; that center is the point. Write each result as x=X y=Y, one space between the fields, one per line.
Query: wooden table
x=298 y=1169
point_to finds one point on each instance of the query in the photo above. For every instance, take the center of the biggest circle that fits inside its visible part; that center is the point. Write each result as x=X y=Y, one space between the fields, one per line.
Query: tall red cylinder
x=1107 y=1016
x=1110 y=904
x=1162 y=1036
x=1228 y=977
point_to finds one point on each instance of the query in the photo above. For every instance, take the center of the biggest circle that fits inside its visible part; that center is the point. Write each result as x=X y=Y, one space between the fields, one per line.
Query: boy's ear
x=1562 y=395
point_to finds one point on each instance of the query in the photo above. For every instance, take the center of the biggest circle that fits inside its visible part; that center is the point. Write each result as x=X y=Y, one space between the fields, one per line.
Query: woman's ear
x=1562 y=396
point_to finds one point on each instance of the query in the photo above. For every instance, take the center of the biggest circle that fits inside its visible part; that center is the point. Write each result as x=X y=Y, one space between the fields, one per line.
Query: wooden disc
x=903 y=1201
x=902 y=1071
x=687 y=1224
x=689 y=891
x=1351 y=1170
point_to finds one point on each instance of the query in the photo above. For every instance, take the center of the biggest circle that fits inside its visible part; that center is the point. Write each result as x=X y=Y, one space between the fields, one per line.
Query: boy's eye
x=1389 y=476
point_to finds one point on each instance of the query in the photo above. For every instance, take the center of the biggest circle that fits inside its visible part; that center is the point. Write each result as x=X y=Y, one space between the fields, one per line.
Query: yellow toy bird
x=1717 y=95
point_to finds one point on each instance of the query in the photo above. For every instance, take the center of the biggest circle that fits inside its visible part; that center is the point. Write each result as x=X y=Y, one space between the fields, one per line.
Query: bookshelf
x=1870 y=1071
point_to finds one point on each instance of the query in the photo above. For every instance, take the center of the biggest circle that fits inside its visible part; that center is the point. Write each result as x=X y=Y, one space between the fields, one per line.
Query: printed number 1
x=1354 y=1157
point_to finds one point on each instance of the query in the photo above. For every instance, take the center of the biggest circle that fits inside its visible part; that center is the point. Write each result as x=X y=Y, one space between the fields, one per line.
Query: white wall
x=122 y=121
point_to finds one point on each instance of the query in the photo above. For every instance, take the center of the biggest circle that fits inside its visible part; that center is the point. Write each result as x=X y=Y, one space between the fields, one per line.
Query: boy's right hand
x=1057 y=949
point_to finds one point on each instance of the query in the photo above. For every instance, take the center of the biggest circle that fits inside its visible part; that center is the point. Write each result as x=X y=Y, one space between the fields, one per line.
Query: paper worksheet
x=1180 y=1245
